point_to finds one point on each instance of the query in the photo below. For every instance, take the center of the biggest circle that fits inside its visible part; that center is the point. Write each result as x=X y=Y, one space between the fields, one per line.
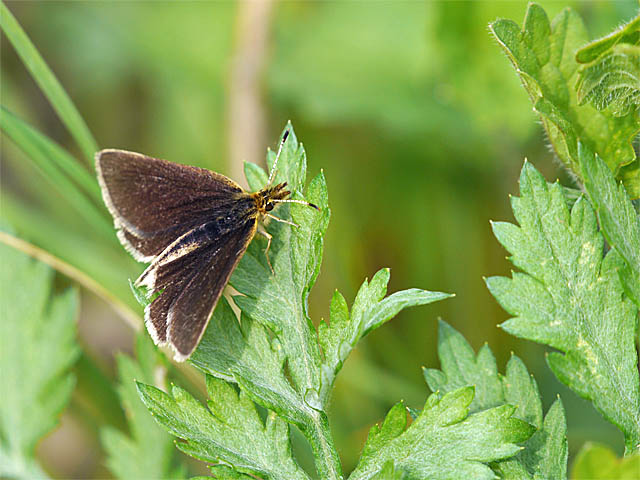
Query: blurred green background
x=411 y=109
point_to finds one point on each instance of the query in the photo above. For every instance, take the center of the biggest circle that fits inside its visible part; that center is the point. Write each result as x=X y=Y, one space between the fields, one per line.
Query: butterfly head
x=267 y=198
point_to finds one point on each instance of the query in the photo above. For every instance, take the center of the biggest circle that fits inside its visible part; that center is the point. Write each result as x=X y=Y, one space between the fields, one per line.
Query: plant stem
x=324 y=451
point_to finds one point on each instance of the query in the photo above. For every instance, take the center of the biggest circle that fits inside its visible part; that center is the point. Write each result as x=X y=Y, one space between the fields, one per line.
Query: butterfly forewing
x=153 y=201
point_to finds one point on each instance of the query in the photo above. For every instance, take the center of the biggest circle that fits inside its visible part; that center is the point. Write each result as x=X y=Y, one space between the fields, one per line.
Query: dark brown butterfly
x=192 y=225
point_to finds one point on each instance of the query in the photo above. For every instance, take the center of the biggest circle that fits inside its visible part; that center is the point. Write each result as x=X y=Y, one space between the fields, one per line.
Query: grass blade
x=50 y=159
x=48 y=83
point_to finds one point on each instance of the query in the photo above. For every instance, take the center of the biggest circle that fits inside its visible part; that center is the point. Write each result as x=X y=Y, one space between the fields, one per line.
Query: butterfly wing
x=153 y=201
x=190 y=276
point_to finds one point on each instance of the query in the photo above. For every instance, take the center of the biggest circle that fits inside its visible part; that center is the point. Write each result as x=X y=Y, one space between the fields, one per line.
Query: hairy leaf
x=37 y=348
x=228 y=429
x=545 y=453
x=611 y=77
x=543 y=55
x=570 y=298
x=443 y=442
x=618 y=219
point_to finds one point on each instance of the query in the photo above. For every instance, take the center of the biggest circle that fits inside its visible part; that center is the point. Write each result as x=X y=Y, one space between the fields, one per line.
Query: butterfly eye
x=269 y=207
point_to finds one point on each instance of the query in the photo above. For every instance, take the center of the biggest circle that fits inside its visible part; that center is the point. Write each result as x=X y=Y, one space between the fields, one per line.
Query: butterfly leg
x=269 y=237
x=282 y=220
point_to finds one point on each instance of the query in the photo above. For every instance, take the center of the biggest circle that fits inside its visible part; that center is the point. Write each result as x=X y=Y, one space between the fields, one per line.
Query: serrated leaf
x=543 y=55
x=570 y=298
x=460 y=368
x=370 y=310
x=610 y=78
x=618 y=219
x=147 y=451
x=243 y=353
x=598 y=462
x=228 y=429
x=545 y=453
x=444 y=442
x=279 y=301
x=37 y=348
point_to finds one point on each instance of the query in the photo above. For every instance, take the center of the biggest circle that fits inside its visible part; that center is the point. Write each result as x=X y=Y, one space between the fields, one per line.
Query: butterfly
x=192 y=226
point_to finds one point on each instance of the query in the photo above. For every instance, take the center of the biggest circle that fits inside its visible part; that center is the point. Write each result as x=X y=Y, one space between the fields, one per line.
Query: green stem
x=324 y=451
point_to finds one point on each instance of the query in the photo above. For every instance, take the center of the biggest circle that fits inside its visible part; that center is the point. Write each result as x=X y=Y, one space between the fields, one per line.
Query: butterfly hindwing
x=154 y=201
x=190 y=275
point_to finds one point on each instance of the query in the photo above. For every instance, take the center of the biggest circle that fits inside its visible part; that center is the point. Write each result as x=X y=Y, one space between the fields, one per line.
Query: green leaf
x=545 y=453
x=274 y=353
x=598 y=462
x=460 y=368
x=60 y=170
x=611 y=77
x=443 y=442
x=370 y=310
x=543 y=55
x=618 y=219
x=571 y=299
x=278 y=302
x=49 y=84
x=147 y=452
x=37 y=348
x=228 y=429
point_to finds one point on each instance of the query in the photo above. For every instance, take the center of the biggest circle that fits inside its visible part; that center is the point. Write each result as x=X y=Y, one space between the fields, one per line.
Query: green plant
x=270 y=368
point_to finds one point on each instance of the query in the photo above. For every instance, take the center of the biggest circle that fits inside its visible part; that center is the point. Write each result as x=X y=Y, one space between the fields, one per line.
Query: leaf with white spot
x=570 y=298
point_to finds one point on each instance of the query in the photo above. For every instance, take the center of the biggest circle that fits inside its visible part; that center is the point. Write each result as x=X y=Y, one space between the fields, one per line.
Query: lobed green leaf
x=443 y=442
x=610 y=78
x=618 y=219
x=370 y=310
x=545 y=453
x=227 y=430
x=598 y=462
x=570 y=298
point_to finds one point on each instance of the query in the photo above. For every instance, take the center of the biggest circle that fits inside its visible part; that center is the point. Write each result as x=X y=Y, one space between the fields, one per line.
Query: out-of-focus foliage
x=419 y=124
x=37 y=349
x=598 y=462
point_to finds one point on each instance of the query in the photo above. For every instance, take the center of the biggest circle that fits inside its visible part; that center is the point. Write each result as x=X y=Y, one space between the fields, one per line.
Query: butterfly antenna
x=274 y=169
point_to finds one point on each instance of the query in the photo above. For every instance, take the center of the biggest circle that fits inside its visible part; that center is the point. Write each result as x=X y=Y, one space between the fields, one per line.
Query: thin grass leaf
x=18 y=129
x=57 y=167
x=49 y=84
